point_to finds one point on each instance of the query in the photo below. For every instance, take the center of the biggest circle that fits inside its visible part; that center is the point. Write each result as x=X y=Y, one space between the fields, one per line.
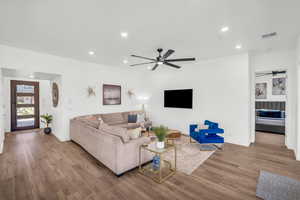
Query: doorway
x=24 y=105
x=270 y=107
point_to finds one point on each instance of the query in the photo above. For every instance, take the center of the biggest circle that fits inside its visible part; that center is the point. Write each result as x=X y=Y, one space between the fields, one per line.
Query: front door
x=24 y=105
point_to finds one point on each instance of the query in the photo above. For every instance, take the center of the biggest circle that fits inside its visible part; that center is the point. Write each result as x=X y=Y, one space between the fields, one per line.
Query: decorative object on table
x=160 y=133
x=261 y=90
x=161 y=168
x=275 y=187
x=130 y=93
x=173 y=135
x=111 y=94
x=207 y=136
x=91 y=91
x=55 y=94
x=47 y=119
x=279 y=86
x=156 y=162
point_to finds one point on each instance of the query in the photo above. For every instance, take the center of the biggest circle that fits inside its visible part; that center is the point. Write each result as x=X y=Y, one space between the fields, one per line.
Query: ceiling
x=71 y=28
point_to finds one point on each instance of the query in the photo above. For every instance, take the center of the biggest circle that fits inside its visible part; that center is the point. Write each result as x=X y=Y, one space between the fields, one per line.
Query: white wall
x=279 y=60
x=76 y=76
x=45 y=99
x=269 y=80
x=298 y=99
x=221 y=94
x=1 y=113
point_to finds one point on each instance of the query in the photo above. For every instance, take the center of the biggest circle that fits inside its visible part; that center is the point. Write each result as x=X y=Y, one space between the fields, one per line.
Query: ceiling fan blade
x=143 y=57
x=155 y=66
x=172 y=65
x=180 y=59
x=141 y=64
x=168 y=53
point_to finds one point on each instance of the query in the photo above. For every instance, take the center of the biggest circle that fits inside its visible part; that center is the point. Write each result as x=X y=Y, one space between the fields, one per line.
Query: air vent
x=269 y=35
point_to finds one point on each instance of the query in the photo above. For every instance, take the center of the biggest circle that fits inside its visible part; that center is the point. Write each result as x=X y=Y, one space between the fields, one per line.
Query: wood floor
x=37 y=166
x=270 y=138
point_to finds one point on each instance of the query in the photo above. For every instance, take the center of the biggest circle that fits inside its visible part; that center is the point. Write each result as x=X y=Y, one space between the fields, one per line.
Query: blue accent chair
x=207 y=136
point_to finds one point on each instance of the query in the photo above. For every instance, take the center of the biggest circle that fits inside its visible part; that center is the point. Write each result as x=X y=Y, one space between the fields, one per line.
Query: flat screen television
x=178 y=98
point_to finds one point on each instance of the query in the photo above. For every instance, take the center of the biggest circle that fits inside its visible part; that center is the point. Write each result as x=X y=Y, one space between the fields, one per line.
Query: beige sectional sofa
x=105 y=136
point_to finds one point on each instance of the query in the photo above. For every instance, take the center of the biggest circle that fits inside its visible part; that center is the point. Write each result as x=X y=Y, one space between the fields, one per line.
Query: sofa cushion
x=113 y=118
x=127 y=125
x=91 y=122
x=117 y=131
x=122 y=125
x=125 y=116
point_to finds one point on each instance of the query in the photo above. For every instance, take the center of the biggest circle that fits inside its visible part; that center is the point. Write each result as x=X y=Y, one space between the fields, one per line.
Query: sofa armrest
x=128 y=154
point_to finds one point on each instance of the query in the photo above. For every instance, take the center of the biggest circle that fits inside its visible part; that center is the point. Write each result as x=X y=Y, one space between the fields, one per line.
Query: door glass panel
x=25 y=100
x=25 y=89
x=25 y=111
x=25 y=122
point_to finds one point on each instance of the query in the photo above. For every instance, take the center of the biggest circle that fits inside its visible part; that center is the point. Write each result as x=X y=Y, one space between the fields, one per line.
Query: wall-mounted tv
x=178 y=98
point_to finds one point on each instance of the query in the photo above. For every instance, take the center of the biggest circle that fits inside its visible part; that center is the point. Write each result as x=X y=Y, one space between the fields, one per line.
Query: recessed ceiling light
x=124 y=34
x=149 y=67
x=91 y=53
x=125 y=61
x=31 y=76
x=238 y=46
x=224 y=29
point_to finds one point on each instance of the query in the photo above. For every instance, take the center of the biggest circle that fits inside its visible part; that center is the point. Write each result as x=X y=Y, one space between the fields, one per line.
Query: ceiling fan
x=273 y=73
x=162 y=59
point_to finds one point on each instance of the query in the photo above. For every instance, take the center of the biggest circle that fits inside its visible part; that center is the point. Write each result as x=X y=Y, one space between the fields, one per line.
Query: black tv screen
x=178 y=98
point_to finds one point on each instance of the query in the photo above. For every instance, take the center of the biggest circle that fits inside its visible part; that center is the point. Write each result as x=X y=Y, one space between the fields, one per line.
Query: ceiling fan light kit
x=162 y=59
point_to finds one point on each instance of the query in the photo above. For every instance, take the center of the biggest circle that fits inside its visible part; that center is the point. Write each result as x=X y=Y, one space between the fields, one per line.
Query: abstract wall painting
x=111 y=94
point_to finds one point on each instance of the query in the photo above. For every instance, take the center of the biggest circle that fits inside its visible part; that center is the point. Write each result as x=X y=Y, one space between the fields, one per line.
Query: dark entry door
x=24 y=105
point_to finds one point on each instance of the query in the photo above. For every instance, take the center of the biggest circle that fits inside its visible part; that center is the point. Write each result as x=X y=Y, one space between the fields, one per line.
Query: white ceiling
x=71 y=28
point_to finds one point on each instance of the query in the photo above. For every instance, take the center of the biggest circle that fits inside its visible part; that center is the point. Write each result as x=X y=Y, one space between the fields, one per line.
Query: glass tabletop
x=152 y=147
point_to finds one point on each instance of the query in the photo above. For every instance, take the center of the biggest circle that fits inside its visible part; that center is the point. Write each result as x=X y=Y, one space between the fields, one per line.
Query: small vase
x=160 y=145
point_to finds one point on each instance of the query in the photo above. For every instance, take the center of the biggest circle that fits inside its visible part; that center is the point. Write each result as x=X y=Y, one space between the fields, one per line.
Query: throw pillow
x=140 y=118
x=134 y=133
x=132 y=118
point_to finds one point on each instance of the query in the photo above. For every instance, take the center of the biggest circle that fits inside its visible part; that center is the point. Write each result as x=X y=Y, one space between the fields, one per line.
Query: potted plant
x=47 y=119
x=161 y=133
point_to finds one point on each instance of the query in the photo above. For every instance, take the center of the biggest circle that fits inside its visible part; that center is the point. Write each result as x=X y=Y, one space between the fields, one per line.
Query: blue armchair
x=207 y=136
